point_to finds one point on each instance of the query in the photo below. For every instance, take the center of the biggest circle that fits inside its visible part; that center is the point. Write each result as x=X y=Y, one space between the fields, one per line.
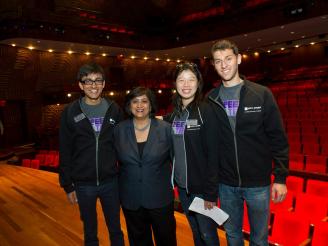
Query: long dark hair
x=137 y=92
x=177 y=100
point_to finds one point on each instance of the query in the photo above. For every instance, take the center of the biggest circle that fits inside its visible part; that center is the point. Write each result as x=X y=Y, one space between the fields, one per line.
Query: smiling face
x=186 y=85
x=226 y=64
x=140 y=107
x=92 y=88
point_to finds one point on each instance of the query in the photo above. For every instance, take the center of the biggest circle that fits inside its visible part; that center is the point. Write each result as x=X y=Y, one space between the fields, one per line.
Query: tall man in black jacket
x=251 y=136
x=88 y=163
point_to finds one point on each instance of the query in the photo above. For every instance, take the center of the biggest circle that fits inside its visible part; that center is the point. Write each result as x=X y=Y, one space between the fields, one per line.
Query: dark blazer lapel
x=132 y=139
x=152 y=138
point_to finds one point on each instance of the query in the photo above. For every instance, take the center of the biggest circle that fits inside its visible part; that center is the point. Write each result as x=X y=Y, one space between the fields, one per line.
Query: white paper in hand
x=217 y=214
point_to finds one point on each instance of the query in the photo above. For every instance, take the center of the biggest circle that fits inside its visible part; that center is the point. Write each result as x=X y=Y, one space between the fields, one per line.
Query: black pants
x=108 y=194
x=140 y=222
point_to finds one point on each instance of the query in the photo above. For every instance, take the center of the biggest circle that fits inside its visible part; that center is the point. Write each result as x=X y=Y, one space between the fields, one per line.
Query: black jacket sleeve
x=65 y=153
x=277 y=137
x=211 y=142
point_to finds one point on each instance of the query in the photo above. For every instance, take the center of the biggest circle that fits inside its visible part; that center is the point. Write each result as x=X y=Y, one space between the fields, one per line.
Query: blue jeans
x=204 y=229
x=87 y=198
x=257 y=200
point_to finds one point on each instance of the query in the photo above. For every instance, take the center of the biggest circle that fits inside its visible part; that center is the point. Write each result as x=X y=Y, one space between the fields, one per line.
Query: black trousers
x=140 y=224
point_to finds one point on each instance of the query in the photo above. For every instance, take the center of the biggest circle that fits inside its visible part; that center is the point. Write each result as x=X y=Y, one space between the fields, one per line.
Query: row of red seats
x=308 y=148
x=308 y=163
x=307 y=137
x=290 y=226
x=31 y=163
x=48 y=160
x=306 y=122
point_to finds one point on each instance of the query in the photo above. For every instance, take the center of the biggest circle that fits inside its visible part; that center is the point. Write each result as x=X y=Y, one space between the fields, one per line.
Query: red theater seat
x=311 y=148
x=296 y=161
x=311 y=207
x=320 y=234
x=295 y=184
x=26 y=163
x=295 y=147
x=289 y=230
x=41 y=158
x=310 y=138
x=35 y=164
x=316 y=187
x=316 y=163
x=324 y=149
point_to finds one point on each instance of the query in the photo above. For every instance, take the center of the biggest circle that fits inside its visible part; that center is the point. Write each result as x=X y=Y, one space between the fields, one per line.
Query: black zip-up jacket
x=84 y=157
x=201 y=150
x=246 y=158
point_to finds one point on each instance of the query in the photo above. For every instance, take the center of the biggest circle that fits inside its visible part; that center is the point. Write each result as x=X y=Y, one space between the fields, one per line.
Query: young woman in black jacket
x=195 y=151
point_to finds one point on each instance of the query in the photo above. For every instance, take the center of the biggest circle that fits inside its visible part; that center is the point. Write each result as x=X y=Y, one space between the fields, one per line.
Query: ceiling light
x=133 y=57
x=296 y=46
x=57 y=104
x=87 y=53
x=50 y=50
x=128 y=91
x=256 y=53
x=13 y=45
x=178 y=61
x=312 y=43
x=69 y=52
x=111 y=93
x=282 y=48
x=157 y=59
x=269 y=51
x=168 y=59
x=145 y=58
x=159 y=91
x=244 y=56
x=104 y=54
x=174 y=91
x=30 y=47
x=69 y=94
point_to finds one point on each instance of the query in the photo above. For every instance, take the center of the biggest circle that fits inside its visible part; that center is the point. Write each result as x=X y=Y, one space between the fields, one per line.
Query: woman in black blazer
x=144 y=148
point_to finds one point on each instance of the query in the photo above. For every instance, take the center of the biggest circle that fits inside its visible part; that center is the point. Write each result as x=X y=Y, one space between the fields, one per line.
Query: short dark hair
x=225 y=44
x=177 y=100
x=89 y=68
x=137 y=92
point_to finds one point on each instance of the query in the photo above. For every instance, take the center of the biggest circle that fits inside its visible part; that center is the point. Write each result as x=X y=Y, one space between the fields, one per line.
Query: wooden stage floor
x=34 y=211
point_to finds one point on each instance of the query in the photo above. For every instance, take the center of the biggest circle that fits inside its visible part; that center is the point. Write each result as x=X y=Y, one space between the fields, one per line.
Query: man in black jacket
x=251 y=137
x=88 y=163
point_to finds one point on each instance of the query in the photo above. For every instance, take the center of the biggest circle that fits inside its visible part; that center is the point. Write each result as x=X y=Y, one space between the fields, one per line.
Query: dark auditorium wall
x=33 y=82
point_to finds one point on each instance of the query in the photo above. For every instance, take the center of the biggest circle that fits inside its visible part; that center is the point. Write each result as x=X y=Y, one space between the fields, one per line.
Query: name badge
x=192 y=123
x=79 y=117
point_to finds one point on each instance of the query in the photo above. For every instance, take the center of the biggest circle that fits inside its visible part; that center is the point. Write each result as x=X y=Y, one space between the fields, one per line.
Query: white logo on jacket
x=253 y=109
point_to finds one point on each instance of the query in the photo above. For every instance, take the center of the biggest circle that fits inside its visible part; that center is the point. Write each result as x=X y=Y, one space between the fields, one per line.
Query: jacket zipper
x=184 y=150
x=97 y=138
x=234 y=139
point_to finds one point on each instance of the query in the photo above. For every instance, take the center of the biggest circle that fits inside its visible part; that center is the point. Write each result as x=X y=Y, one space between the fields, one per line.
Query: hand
x=209 y=205
x=278 y=192
x=72 y=198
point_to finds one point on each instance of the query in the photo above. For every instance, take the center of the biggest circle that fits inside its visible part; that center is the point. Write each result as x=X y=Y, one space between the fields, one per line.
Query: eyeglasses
x=90 y=82
x=186 y=65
